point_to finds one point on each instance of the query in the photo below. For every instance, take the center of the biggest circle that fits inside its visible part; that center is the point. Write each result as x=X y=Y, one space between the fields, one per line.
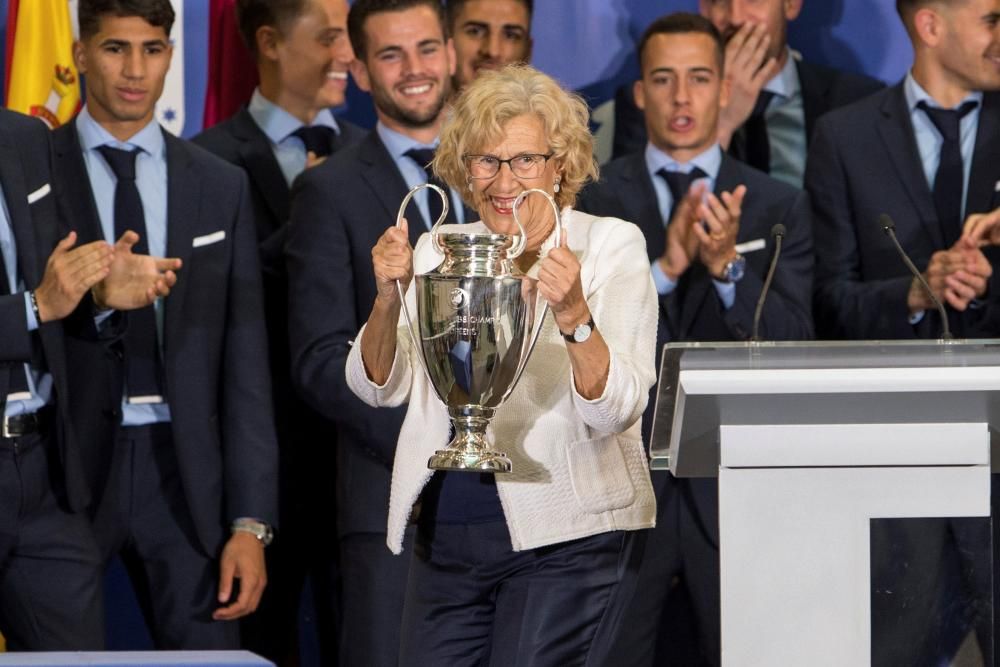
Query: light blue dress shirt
x=398 y=144
x=929 y=142
x=151 y=180
x=279 y=125
x=39 y=384
x=709 y=162
x=786 y=124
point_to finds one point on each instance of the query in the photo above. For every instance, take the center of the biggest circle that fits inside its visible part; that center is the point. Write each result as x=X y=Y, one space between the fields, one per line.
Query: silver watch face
x=582 y=333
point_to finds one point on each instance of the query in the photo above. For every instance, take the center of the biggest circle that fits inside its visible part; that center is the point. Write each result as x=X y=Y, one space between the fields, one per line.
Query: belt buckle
x=5 y=429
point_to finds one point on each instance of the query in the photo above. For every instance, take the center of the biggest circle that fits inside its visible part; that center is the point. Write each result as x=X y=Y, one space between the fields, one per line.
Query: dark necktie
x=423 y=157
x=319 y=139
x=142 y=353
x=950 y=177
x=758 y=146
x=679 y=184
x=18 y=382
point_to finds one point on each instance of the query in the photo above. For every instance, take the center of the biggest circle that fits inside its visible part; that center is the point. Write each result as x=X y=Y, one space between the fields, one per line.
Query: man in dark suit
x=339 y=210
x=176 y=418
x=775 y=96
x=303 y=55
x=708 y=262
x=886 y=154
x=924 y=152
x=50 y=565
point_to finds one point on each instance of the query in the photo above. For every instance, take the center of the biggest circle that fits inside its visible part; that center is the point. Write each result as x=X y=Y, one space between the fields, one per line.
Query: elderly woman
x=523 y=568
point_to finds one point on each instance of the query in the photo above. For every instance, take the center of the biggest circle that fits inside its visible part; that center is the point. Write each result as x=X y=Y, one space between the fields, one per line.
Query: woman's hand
x=559 y=284
x=392 y=259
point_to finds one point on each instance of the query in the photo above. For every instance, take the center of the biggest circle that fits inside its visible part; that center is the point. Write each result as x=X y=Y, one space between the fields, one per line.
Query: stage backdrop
x=587 y=44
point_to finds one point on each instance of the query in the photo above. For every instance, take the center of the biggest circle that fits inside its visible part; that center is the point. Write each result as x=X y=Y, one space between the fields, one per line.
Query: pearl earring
x=555 y=188
x=470 y=186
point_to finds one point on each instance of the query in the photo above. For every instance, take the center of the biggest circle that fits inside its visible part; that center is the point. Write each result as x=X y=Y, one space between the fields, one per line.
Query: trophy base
x=458 y=460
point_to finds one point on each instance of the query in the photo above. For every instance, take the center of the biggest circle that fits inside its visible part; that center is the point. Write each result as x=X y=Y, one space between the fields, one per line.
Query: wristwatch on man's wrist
x=258 y=529
x=734 y=269
x=581 y=333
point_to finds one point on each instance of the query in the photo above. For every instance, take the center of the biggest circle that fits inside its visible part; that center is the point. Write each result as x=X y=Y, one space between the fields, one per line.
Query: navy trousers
x=50 y=569
x=472 y=600
x=143 y=517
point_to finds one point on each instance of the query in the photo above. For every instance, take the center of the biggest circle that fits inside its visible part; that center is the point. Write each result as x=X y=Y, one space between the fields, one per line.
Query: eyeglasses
x=525 y=165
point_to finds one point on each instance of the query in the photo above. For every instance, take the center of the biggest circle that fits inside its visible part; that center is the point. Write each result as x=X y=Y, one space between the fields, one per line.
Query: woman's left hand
x=559 y=284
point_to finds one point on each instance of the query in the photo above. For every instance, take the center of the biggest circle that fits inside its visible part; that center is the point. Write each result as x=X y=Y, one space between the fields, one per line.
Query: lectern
x=811 y=443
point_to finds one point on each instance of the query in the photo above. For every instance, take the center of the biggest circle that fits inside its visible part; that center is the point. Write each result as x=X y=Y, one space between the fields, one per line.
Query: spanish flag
x=41 y=79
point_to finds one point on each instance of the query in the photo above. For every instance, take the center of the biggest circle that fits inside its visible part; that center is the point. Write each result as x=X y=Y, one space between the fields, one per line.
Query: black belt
x=18 y=426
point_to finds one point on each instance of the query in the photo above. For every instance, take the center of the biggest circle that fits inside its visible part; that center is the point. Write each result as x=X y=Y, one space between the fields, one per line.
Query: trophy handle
x=399 y=286
x=540 y=319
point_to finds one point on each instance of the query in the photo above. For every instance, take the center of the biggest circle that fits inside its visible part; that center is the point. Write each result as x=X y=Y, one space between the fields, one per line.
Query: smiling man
x=707 y=219
x=339 y=210
x=488 y=34
x=174 y=406
x=303 y=56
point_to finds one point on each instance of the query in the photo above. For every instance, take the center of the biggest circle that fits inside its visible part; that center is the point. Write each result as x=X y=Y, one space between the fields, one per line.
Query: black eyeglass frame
x=500 y=163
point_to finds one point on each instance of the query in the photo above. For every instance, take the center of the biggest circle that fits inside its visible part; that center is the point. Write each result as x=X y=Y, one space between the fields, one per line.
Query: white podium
x=810 y=441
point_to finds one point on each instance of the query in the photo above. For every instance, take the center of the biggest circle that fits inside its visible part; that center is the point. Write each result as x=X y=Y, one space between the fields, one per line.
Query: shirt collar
x=785 y=83
x=397 y=144
x=277 y=123
x=92 y=135
x=915 y=94
x=708 y=161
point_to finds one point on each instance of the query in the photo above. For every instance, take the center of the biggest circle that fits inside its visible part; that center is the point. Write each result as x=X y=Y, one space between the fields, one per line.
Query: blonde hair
x=492 y=100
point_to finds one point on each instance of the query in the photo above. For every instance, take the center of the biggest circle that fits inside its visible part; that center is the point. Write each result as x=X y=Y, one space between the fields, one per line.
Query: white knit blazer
x=579 y=465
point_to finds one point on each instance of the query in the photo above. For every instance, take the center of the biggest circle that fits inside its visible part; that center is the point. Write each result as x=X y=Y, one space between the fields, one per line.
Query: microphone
x=777 y=233
x=889 y=227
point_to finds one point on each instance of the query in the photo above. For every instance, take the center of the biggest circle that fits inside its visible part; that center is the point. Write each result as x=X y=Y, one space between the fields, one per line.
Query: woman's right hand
x=392 y=258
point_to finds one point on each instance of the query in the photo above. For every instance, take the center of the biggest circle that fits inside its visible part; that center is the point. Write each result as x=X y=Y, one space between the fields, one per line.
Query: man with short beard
x=488 y=34
x=339 y=211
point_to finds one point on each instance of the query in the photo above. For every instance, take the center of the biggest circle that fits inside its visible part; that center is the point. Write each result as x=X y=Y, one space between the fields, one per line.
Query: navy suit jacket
x=25 y=168
x=339 y=211
x=864 y=162
x=304 y=435
x=823 y=89
x=694 y=311
x=214 y=341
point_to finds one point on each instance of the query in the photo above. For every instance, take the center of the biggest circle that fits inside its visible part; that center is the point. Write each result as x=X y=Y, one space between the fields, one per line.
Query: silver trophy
x=478 y=323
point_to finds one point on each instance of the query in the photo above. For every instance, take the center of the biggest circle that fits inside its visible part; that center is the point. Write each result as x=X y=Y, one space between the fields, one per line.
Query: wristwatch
x=581 y=333
x=734 y=269
x=258 y=529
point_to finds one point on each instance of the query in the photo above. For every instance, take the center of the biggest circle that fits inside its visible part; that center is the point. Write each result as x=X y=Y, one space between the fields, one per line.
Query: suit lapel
x=261 y=165
x=382 y=175
x=16 y=197
x=73 y=182
x=983 y=177
x=183 y=197
x=896 y=132
x=814 y=92
x=638 y=199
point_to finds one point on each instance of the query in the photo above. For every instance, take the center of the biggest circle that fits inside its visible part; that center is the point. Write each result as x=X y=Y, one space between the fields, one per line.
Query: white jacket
x=579 y=467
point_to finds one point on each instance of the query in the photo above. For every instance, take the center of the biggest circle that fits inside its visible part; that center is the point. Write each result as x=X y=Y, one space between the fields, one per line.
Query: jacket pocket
x=600 y=475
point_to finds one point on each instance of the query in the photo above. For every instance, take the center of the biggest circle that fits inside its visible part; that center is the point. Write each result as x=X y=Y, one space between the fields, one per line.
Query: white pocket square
x=39 y=193
x=750 y=246
x=208 y=239
x=996 y=187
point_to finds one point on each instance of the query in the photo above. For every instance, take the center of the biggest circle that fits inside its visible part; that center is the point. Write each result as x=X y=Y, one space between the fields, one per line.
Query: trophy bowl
x=477 y=322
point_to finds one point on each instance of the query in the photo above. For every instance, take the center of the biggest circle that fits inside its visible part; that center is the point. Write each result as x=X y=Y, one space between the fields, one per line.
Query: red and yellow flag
x=41 y=79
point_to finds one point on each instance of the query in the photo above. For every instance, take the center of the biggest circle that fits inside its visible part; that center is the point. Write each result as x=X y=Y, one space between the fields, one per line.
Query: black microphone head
x=886 y=222
x=778 y=230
